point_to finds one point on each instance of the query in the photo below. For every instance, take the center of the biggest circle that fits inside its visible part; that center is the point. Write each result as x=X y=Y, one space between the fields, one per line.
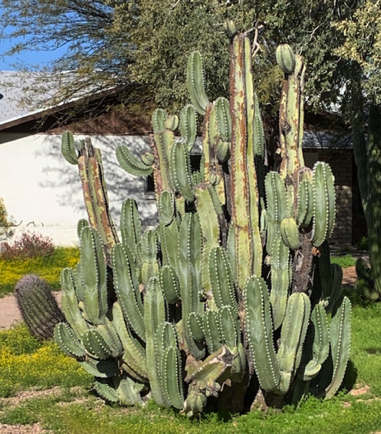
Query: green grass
x=48 y=268
x=341 y=415
x=344 y=261
x=27 y=363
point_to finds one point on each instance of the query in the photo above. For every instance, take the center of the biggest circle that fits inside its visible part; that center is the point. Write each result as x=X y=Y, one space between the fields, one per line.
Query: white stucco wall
x=43 y=191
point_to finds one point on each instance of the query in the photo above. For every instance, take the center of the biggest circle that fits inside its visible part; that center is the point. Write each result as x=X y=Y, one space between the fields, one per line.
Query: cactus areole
x=232 y=295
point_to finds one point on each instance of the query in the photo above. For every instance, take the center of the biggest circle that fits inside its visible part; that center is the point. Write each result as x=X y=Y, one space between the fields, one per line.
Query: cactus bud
x=290 y=233
x=285 y=58
x=148 y=158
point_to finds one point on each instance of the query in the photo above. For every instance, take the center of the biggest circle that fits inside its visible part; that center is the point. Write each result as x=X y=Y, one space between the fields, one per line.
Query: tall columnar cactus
x=235 y=281
x=89 y=161
x=38 y=306
x=368 y=160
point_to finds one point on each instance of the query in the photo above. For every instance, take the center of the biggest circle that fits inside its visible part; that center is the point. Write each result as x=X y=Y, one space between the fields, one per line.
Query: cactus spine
x=223 y=288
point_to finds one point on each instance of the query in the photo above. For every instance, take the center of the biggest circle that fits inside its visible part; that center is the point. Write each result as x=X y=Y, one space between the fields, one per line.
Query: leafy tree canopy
x=362 y=46
x=116 y=42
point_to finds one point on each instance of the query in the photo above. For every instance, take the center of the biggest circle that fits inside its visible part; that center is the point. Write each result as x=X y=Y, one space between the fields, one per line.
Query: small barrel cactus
x=38 y=306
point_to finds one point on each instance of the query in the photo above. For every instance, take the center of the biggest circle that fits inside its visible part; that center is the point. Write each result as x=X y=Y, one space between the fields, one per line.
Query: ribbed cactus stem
x=195 y=82
x=291 y=120
x=38 y=306
x=259 y=333
x=95 y=195
x=154 y=315
x=93 y=276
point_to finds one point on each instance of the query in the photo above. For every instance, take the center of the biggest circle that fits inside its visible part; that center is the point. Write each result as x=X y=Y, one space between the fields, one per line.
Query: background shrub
x=29 y=245
x=5 y=223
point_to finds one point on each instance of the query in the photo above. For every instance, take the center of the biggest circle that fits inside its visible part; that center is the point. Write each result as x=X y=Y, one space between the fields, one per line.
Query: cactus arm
x=195 y=83
x=95 y=195
x=67 y=341
x=229 y=326
x=169 y=282
x=105 y=390
x=280 y=280
x=223 y=118
x=180 y=171
x=167 y=366
x=259 y=333
x=195 y=325
x=118 y=389
x=337 y=277
x=166 y=207
x=188 y=125
x=340 y=333
x=130 y=226
x=93 y=274
x=205 y=166
x=189 y=273
x=293 y=333
x=128 y=391
x=127 y=289
x=80 y=225
x=173 y=386
x=104 y=224
x=96 y=346
x=134 y=355
x=324 y=203
x=210 y=229
x=212 y=372
x=276 y=201
x=211 y=330
x=239 y=176
x=154 y=314
x=130 y=163
x=169 y=238
x=149 y=252
x=110 y=336
x=221 y=279
x=68 y=148
x=320 y=347
x=305 y=205
x=162 y=145
x=70 y=304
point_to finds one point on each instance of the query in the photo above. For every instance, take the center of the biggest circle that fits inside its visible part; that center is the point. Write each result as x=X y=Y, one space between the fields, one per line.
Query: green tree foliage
x=114 y=42
x=97 y=49
x=362 y=45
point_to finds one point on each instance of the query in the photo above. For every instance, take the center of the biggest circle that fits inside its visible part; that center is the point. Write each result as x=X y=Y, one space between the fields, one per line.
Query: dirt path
x=10 y=315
